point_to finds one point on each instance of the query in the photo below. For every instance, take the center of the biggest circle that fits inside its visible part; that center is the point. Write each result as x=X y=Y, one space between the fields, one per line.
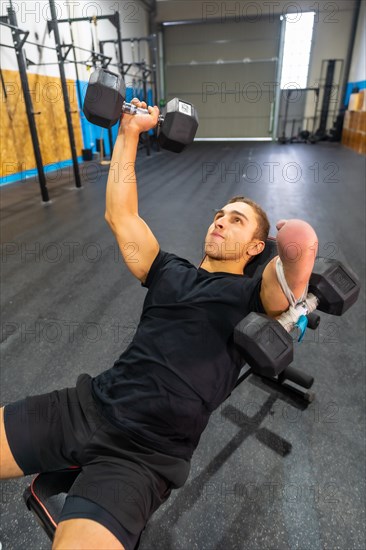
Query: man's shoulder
x=165 y=258
x=167 y=261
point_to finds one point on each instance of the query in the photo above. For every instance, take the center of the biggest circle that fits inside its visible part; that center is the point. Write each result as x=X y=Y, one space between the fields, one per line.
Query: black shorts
x=121 y=482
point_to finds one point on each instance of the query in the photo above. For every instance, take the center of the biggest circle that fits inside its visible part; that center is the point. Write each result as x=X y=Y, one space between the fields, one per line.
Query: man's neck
x=225 y=266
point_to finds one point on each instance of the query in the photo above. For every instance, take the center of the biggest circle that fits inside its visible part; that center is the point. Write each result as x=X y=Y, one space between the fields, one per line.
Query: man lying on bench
x=133 y=428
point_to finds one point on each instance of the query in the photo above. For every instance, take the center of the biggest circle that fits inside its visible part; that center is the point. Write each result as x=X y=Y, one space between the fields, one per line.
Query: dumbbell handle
x=289 y=318
x=131 y=109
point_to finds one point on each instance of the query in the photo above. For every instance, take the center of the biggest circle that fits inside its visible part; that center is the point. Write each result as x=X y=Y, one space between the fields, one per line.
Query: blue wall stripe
x=361 y=85
x=26 y=174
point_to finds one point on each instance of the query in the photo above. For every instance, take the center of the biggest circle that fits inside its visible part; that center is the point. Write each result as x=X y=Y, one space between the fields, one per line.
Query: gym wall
x=232 y=98
x=17 y=158
x=357 y=77
x=330 y=40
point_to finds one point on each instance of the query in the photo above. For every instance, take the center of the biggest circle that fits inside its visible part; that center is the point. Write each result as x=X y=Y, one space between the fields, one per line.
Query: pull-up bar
x=114 y=19
x=4 y=21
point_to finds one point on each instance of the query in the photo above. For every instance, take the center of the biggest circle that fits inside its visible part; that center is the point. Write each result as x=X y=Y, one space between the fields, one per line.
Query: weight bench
x=46 y=495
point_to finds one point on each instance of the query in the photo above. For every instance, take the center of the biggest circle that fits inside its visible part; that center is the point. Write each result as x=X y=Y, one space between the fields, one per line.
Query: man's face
x=231 y=232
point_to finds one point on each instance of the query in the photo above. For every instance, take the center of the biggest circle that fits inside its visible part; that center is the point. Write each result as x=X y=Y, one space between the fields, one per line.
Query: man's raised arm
x=297 y=245
x=136 y=241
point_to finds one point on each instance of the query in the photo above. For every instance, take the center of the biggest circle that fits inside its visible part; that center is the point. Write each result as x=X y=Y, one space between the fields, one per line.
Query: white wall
x=331 y=30
x=330 y=41
x=331 y=38
x=333 y=22
x=33 y=16
x=358 y=66
x=175 y=10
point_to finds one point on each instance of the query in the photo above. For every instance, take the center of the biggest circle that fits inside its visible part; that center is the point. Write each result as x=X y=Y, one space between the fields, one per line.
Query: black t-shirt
x=182 y=363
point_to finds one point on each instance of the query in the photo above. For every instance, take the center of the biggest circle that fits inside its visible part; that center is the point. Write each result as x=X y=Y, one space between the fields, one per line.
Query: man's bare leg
x=8 y=467
x=84 y=534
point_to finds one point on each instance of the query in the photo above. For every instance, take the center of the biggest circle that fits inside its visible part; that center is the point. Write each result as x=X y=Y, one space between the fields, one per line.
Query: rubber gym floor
x=269 y=473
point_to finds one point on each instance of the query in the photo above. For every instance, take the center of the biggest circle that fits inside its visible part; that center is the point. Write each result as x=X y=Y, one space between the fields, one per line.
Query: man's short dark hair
x=262 y=220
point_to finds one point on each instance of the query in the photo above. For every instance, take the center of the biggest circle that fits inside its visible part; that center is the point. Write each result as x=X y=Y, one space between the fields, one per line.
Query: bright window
x=296 y=54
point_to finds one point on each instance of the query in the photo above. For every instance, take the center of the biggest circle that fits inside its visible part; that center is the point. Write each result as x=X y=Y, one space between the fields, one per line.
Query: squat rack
x=115 y=20
x=145 y=69
x=19 y=38
x=63 y=50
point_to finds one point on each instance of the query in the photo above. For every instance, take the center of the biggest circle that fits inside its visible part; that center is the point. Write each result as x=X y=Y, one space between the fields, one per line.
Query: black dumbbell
x=335 y=285
x=105 y=101
x=265 y=343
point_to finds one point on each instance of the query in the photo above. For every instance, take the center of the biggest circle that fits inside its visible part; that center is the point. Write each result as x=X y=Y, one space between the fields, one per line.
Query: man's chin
x=212 y=251
x=217 y=251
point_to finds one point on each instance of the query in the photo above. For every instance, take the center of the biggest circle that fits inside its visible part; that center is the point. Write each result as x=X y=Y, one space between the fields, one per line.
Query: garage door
x=228 y=70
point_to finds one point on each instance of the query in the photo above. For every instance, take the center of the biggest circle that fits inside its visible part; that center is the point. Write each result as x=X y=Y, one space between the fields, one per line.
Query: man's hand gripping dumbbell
x=105 y=102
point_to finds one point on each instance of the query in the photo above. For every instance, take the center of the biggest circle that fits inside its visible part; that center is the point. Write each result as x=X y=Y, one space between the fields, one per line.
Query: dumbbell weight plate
x=264 y=344
x=335 y=285
x=104 y=98
x=179 y=126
